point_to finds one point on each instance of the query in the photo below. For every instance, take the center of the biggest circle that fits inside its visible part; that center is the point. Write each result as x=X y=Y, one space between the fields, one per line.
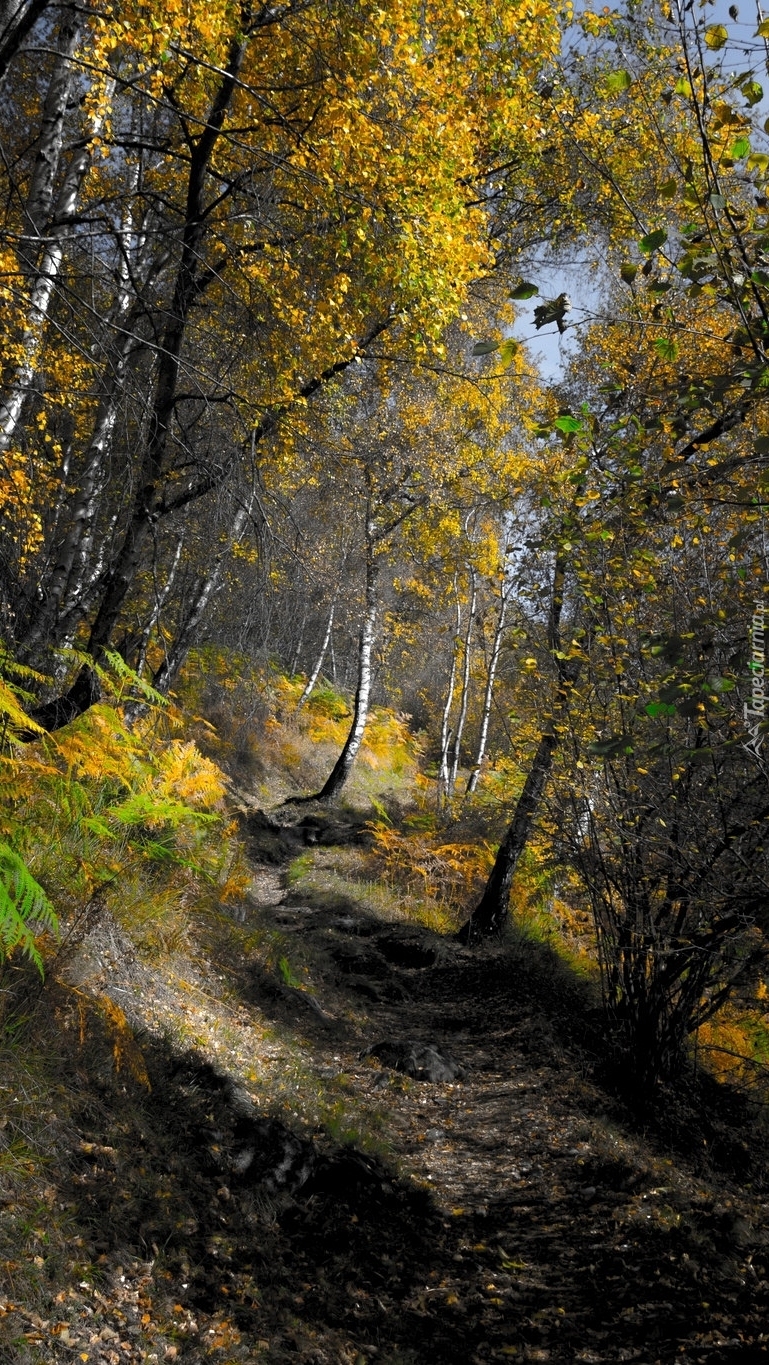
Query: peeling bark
x=37 y=210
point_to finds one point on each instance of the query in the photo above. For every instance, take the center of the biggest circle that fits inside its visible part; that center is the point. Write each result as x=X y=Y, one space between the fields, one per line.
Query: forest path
x=278 y=1196
x=558 y=1236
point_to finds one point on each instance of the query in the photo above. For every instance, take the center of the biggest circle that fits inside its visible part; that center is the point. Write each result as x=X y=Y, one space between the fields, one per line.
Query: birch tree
x=491 y=676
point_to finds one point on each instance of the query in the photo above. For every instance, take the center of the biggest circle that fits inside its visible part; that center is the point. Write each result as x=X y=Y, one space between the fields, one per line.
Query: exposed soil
x=511 y=1212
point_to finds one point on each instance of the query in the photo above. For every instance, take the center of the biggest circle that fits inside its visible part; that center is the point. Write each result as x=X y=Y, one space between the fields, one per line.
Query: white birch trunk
x=343 y=766
x=64 y=589
x=489 y=693
x=465 y=682
x=160 y=600
x=45 y=283
x=443 y=766
x=313 y=678
x=194 y=615
x=37 y=210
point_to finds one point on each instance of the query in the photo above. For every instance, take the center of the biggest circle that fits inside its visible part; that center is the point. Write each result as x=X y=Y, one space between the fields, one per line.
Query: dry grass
x=327 y=877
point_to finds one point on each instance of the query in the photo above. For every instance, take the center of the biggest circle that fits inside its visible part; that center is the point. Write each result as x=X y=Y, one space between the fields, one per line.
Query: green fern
x=24 y=907
x=117 y=680
x=128 y=677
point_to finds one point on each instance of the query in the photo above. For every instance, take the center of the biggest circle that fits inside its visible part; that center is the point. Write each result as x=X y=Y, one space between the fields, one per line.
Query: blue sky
x=579 y=277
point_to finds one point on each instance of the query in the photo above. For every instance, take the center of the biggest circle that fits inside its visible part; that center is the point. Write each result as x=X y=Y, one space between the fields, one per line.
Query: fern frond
x=12 y=715
x=129 y=675
x=11 y=668
x=24 y=908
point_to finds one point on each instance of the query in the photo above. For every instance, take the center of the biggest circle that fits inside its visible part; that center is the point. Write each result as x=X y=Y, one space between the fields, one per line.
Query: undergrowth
x=247 y=719
x=127 y=817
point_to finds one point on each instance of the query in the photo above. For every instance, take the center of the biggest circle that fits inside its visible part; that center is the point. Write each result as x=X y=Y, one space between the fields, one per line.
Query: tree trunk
x=313 y=678
x=64 y=590
x=297 y=652
x=443 y=765
x=17 y=19
x=343 y=766
x=191 y=280
x=83 y=693
x=160 y=600
x=460 y=730
x=37 y=209
x=45 y=282
x=207 y=587
x=489 y=694
x=490 y=914
x=64 y=598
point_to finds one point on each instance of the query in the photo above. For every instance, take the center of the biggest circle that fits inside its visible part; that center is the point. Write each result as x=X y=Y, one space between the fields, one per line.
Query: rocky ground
x=400 y=1154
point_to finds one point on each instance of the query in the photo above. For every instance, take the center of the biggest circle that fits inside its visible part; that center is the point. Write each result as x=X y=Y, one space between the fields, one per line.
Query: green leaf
x=618 y=81
x=753 y=92
x=485 y=347
x=659 y=286
x=758 y=161
x=716 y=35
x=652 y=241
x=669 y=189
x=717 y=201
x=628 y=271
x=507 y=350
x=683 y=86
x=568 y=424
x=524 y=291
x=762 y=445
x=740 y=148
x=659 y=708
x=760 y=277
x=666 y=348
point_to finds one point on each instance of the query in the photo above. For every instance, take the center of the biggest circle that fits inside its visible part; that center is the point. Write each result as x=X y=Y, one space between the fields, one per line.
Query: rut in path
x=514 y=1217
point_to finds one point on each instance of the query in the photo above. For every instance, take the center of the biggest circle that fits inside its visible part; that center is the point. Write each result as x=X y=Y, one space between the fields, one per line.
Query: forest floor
x=249 y=1186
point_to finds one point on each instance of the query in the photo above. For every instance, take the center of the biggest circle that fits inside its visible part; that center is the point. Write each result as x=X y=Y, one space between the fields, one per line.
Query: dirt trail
x=563 y=1236
x=512 y=1217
